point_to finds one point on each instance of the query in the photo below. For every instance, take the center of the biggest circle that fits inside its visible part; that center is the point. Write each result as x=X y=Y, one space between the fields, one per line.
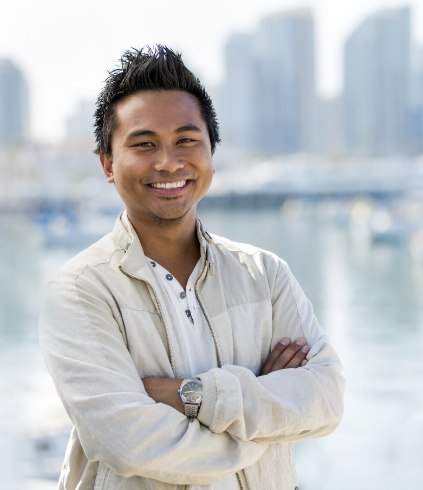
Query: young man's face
x=161 y=160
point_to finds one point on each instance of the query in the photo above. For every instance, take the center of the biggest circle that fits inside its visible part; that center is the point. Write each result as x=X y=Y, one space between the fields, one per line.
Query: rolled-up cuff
x=208 y=404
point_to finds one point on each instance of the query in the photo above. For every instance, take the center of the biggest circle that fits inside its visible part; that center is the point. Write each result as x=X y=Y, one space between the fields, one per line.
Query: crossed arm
x=286 y=354
x=119 y=422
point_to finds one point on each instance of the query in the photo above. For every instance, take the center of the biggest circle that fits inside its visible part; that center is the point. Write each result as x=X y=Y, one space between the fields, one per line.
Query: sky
x=66 y=48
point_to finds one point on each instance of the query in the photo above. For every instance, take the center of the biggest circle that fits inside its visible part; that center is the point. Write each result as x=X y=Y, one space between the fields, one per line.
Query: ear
x=107 y=164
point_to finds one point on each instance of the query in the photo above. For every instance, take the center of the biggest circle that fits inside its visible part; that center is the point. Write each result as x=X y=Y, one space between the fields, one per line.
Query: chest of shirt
x=241 y=329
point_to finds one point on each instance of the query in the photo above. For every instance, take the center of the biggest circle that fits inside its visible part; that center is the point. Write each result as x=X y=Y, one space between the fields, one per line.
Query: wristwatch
x=191 y=393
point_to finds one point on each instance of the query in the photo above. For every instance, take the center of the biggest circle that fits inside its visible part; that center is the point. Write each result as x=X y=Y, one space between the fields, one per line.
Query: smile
x=169 y=185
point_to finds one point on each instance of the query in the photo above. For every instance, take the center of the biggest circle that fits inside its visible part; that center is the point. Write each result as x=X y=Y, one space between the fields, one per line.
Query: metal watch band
x=191 y=410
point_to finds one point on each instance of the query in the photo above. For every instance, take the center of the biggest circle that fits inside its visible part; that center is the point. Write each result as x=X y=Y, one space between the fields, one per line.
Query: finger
x=299 y=358
x=274 y=355
x=292 y=356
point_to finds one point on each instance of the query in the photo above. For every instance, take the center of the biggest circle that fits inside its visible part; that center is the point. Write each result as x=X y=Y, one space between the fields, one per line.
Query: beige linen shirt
x=106 y=325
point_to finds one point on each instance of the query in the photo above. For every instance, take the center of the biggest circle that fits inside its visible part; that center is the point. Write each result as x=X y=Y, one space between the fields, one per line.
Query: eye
x=185 y=140
x=145 y=144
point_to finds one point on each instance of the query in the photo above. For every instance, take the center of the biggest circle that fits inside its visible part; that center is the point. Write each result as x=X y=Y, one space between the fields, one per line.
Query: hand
x=164 y=390
x=286 y=354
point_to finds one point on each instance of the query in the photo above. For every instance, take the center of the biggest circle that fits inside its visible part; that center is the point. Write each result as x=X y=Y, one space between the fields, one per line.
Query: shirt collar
x=134 y=261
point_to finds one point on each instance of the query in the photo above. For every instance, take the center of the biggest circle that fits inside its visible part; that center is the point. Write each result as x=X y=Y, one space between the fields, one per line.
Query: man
x=184 y=360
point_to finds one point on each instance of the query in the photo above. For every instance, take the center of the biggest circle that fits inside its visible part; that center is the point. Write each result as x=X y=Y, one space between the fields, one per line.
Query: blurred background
x=321 y=113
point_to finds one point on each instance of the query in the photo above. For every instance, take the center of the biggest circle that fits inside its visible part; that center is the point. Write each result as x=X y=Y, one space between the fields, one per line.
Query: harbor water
x=367 y=294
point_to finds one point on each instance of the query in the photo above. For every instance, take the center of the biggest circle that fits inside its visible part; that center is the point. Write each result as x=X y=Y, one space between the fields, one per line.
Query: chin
x=171 y=218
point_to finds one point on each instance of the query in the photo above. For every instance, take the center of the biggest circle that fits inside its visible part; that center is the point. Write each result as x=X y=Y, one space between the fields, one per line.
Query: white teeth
x=169 y=185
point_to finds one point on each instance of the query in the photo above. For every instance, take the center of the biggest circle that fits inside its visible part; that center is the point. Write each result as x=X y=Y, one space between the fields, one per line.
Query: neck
x=174 y=245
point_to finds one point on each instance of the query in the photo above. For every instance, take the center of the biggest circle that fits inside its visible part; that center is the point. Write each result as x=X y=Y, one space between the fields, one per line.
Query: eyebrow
x=148 y=132
x=140 y=132
x=188 y=127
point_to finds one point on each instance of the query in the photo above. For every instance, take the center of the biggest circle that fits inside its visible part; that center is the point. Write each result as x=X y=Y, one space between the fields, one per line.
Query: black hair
x=148 y=68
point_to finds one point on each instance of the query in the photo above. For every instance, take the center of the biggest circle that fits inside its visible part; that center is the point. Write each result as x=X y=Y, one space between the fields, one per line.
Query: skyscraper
x=415 y=120
x=238 y=92
x=270 y=99
x=79 y=125
x=13 y=105
x=377 y=67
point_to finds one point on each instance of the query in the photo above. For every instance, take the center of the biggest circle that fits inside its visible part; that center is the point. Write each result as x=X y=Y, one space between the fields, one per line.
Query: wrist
x=191 y=395
x=164 y=390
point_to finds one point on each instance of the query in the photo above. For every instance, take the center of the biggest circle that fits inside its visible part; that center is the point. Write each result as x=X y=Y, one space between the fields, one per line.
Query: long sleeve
x=100 y=387
x=285 y=405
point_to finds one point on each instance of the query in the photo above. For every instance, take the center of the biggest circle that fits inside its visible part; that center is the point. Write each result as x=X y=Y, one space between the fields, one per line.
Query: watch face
x=192 y=391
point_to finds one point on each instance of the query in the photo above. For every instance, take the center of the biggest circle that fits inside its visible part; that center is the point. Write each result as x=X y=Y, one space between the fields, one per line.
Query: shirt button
x=188 y=313
x=183 y=295
x=169 y=277
x=153 y=264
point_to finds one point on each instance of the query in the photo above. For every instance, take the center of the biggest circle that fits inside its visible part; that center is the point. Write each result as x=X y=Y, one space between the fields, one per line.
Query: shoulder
x=231 y=247
x=257 y=269
x=241 y=255
x=101 y=254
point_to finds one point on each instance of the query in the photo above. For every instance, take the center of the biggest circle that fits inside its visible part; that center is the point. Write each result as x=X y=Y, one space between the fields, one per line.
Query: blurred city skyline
x=65 y=50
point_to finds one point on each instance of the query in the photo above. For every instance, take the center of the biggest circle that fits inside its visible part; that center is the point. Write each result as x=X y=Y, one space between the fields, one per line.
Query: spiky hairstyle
x=148 y=68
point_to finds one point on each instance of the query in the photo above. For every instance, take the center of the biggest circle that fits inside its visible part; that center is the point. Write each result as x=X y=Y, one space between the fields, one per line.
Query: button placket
x=189 y=315
x=187 y=297
x=191 y=301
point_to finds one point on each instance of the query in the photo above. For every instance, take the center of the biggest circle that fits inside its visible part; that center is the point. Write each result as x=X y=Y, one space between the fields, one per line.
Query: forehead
x=158 y=109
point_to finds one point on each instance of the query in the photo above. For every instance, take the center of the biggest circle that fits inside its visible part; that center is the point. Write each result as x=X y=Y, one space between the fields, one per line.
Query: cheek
x=125 y=178
x=204 y=156
x=208 y=176
x=211 y=172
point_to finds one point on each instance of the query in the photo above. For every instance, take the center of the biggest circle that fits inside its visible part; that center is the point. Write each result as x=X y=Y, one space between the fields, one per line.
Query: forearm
x=164 y=390
x=286 y=402
x=286 y=405
x=286 y=354
x=134 y=435
x=116 y=421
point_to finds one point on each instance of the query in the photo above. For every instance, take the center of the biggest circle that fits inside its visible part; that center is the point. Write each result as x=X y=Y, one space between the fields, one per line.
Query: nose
x=167 y=159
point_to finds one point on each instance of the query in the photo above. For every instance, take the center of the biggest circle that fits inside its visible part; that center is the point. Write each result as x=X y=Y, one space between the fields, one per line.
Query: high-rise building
x=377 y=67
x=415 y=121
x=330 y=127
x=269 y=90
x=80 y=125
x=237 y=93
x=13 y=105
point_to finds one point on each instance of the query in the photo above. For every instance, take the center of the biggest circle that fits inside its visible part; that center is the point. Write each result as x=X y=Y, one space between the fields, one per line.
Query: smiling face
x=161 y=159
